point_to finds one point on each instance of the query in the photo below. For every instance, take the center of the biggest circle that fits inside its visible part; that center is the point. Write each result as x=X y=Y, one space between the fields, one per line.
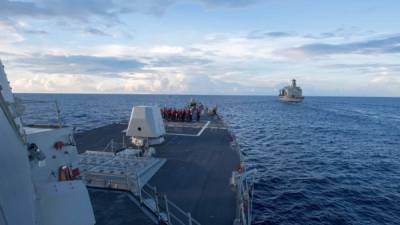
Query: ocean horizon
x=188 y=94
x=327 y=160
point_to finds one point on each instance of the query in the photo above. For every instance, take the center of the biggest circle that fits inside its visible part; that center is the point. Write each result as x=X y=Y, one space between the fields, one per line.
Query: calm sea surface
x=328 y=160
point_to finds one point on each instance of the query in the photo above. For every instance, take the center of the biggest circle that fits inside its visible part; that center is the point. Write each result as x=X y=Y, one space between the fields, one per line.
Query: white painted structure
x=122 y=171
x=31 y=192
x=146 y=125
x=292 y=93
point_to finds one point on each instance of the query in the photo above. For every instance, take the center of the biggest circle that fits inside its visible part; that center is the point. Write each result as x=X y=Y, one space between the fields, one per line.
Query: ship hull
x=290 y=99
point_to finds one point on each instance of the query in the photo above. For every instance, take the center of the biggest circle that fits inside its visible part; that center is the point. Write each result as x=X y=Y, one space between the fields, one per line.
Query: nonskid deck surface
x=97 y=139
x=198 y=168
x=197 y=172
x=116 y=208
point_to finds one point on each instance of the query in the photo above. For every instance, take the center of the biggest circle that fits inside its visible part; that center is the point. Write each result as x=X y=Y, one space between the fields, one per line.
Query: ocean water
x=328 y=160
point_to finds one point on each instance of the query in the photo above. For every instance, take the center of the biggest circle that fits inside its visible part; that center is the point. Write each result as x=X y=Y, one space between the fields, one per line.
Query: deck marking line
x=176 y=134
x=192 y=135
x=204 y=127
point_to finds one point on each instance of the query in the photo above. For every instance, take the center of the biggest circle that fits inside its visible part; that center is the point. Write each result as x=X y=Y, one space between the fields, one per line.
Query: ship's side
x=291 y=99
x=17 y=196
x=32 y=160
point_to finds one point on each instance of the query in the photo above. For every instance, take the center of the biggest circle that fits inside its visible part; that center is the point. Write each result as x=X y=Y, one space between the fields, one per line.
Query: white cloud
x=218 y=64
x=143 y=83
x=167 y=50
x=9 y=34
x=53 y=83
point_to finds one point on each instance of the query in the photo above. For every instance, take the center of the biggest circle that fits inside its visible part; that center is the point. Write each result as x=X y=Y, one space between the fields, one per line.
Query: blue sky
x=336 y=48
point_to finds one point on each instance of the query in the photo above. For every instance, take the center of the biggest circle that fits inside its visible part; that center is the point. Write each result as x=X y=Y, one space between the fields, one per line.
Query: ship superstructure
x=38 y=170
x=291 y=93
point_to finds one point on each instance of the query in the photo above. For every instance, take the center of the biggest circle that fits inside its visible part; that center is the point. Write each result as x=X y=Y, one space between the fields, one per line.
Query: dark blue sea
x=328 y=160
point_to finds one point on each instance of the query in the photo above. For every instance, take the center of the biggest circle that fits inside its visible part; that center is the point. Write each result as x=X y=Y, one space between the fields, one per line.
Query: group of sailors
x=191 y=112
x=187 y=114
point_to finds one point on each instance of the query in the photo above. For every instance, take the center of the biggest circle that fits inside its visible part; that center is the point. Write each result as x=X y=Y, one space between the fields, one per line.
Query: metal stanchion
x=190 y=218
x=167 y=209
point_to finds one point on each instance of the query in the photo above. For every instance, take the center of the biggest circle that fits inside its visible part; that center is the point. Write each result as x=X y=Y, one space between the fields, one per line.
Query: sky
x=233 y=47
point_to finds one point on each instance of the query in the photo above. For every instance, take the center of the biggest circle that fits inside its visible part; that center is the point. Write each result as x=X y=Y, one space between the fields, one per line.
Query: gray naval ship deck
x=196 y=175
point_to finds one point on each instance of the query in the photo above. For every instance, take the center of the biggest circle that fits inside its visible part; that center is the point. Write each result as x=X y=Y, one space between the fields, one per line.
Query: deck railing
x=164 y=209
x=40 y=112
x=244 y=183
x=4 y=106
x=115 y=146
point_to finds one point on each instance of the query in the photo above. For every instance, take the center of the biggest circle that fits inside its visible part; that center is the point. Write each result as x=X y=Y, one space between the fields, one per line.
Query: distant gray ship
x=292 y=93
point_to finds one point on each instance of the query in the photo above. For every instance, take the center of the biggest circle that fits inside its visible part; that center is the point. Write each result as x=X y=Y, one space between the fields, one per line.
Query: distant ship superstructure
x=291 y=93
